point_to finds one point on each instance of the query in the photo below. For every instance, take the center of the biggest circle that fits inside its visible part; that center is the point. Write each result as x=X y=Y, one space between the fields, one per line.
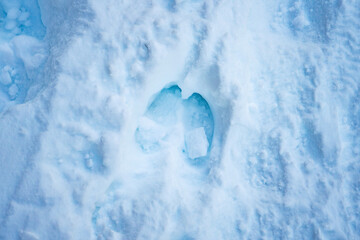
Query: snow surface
x=97 y=98
x=196 y=143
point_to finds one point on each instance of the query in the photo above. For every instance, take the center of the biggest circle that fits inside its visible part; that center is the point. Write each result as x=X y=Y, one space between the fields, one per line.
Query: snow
x=181 y=120
x=29 y=50
x=5 y=76
x=196 y=142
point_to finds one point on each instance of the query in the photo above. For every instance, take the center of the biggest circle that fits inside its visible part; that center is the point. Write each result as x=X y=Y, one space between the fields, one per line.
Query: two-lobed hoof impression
x=168 y=110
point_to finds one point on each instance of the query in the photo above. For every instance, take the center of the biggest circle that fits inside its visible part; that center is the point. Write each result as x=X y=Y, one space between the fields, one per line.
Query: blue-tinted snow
x=99 y=101
x=22 y=51
x=168 y=111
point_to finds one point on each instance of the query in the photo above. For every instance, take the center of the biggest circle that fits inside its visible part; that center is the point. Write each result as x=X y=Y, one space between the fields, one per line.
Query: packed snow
x=181 y=120
x=196 y=143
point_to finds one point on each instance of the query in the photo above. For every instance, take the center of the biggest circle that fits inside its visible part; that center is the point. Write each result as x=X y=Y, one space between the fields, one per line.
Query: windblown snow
x=181 y=120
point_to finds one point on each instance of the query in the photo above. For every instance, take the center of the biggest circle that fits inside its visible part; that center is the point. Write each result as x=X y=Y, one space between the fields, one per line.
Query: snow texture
x=182 y=120
x=168 y=112
x=196 y=143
